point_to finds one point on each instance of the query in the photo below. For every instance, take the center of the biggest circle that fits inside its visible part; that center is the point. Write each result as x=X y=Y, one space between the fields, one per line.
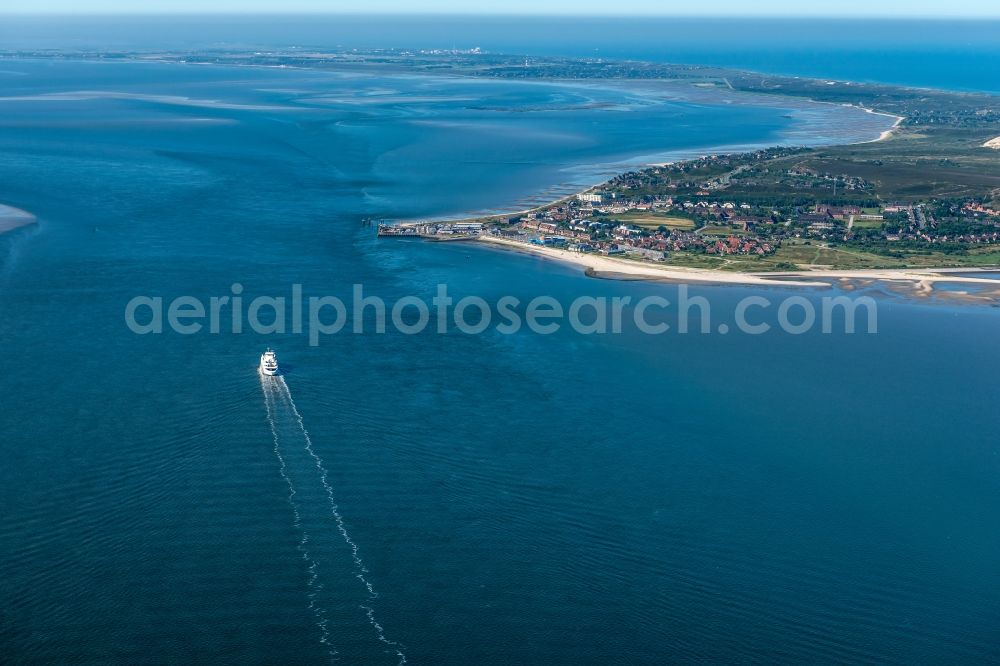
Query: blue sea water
x=525 y=498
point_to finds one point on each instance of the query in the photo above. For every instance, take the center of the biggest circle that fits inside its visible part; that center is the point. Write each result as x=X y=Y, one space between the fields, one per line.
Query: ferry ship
x=269 y=363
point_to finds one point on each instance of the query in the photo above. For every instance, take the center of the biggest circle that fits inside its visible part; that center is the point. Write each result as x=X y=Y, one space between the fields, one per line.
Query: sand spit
x=11 y=218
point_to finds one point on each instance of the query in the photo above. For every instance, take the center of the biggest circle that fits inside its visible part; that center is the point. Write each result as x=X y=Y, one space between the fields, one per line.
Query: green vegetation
x=915 y=164
x=799 y=257
x=868 y=224
x=650 y=220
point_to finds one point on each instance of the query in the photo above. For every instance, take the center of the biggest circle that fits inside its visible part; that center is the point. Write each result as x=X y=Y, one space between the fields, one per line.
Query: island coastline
x=919 y=280
x=615 y=268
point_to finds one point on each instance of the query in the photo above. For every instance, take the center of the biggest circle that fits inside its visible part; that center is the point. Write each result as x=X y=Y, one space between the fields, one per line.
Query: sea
x=459 y=497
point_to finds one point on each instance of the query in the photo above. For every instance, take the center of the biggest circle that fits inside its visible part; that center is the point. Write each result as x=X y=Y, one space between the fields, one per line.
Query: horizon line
x=519 y=14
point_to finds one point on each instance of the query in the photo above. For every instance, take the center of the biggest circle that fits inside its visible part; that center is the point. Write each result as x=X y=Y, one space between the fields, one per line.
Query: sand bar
x=12 y=218
x=993 y=143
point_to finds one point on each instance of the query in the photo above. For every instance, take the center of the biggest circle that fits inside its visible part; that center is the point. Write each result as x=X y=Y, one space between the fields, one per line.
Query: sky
x=838 y=8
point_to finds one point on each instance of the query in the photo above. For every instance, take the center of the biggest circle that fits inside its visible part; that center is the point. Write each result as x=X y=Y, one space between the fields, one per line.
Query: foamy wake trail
x=313 y=585
x=360 y=571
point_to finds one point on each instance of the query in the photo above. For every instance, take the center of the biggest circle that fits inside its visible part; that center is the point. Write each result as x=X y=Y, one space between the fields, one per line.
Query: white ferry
x=269 y=363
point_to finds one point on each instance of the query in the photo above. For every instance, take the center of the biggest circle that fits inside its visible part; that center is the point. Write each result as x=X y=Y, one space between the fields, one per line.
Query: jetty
x=431 y=230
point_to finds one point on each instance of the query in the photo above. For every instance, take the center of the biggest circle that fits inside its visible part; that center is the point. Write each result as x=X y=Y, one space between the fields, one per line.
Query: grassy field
x=800 y=256
x=833 y=257
x=692 y=260
x=650 y=220
x=915 y=163
x=868 y=224
x=722 y=230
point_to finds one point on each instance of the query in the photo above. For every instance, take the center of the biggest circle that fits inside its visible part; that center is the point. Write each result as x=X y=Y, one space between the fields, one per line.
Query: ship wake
x=330 y=553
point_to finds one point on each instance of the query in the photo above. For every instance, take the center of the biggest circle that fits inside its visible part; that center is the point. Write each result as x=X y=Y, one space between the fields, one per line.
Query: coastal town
x=739 y=212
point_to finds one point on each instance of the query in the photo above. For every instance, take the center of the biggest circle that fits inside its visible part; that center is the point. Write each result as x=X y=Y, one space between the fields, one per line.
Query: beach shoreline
x=886 y=134
x=13 y=218
x=625 y=269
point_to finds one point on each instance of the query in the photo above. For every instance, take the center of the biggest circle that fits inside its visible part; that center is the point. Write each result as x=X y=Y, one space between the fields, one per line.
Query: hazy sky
x=893 y=8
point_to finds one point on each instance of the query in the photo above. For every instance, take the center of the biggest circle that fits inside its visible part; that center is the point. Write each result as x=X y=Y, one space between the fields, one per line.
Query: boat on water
x=269 y=363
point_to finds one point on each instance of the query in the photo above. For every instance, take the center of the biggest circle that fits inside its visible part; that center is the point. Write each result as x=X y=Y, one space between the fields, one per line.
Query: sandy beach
x=12 y=218
x=993 y=143
x=887 y=133
x=613 y=267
